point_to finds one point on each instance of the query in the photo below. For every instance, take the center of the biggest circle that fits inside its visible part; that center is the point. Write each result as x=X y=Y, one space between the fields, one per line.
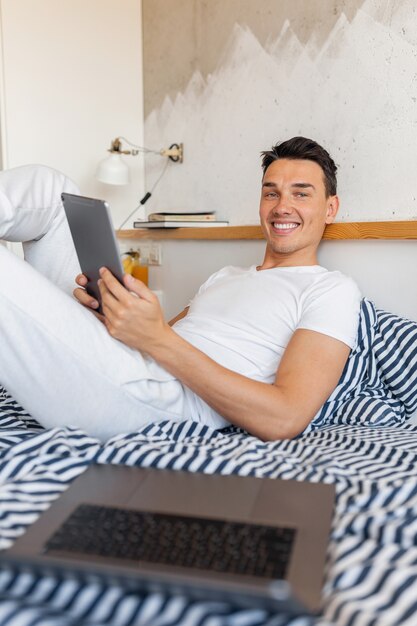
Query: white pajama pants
x=56 y=359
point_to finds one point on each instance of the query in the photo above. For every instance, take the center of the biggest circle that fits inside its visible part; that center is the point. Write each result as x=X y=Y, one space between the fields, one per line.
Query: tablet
x=94 y=238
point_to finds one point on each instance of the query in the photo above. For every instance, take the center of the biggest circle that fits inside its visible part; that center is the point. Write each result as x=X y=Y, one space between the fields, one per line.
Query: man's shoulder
x=336 y=278
x=335 y=284
x=331 y=306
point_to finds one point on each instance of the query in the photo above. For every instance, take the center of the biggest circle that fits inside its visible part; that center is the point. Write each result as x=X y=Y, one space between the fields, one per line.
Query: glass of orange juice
x=132 y=265
x=141 y=272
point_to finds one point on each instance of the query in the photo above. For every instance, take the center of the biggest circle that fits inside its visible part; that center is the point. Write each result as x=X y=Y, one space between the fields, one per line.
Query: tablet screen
x=94 y=238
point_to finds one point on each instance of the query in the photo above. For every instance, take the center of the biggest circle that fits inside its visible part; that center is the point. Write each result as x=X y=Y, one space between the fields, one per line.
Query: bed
x=364 y=440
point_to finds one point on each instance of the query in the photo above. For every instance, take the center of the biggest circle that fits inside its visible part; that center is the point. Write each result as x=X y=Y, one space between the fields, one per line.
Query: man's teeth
x=284 y=226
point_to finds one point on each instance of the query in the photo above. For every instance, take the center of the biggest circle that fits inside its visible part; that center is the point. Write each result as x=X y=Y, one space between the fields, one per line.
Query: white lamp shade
x=113 y=170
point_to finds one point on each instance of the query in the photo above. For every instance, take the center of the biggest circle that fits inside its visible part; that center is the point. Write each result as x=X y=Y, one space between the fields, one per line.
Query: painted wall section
x=202 y=31
x=342 y=73
x=72 y=81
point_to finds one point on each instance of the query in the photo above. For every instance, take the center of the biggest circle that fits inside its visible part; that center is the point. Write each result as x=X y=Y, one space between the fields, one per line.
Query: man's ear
x=332 y=208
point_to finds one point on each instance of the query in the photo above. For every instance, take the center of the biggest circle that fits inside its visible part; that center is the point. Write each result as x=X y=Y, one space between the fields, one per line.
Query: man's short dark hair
x=302 y=148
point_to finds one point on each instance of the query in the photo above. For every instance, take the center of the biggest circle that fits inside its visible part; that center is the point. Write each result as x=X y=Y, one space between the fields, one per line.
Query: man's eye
x=301 y=194
x=271 y=194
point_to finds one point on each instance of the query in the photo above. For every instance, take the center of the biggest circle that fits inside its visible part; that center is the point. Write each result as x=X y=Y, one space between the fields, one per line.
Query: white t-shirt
x=243 y=318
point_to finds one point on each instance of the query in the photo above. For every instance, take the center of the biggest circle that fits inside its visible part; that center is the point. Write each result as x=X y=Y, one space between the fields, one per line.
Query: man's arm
x=309 y=370
x=308 y=373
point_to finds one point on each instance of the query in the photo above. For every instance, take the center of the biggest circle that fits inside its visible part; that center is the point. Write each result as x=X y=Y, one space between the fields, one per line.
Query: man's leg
x=56 y=359
x=31 y=211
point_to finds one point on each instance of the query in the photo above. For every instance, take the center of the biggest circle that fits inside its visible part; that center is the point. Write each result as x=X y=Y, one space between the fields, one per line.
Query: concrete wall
x=231 y=77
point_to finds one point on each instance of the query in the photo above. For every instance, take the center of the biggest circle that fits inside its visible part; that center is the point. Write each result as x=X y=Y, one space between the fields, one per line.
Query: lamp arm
x=137 y=149
x=174 y=152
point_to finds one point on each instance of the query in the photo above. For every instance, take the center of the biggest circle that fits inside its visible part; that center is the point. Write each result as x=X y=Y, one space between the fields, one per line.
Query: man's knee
x=27 y=185
x=30 y=198
x=47 y=184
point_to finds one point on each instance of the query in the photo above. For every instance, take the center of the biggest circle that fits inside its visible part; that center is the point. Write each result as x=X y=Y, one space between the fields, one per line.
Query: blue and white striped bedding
x=379 y=384
x=364 y=446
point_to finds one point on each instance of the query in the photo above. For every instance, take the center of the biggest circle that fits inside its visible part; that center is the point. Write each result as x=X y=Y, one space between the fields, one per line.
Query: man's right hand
x=84 y=298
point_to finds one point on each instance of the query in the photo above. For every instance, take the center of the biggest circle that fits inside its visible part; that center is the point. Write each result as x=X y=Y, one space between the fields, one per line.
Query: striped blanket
x=371 y=572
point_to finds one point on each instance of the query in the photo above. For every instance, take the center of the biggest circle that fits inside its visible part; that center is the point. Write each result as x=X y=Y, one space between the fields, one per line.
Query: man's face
x=294 y=211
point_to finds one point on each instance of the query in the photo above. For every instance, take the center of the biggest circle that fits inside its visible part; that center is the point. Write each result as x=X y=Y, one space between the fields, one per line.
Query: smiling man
x=260 y=347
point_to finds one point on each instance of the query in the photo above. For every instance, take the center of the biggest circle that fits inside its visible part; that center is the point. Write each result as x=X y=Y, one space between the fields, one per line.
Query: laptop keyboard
x=207 y=544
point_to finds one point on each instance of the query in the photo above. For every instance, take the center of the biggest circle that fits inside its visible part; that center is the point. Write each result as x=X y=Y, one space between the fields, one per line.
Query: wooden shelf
x=211 y=233
x=345 y=230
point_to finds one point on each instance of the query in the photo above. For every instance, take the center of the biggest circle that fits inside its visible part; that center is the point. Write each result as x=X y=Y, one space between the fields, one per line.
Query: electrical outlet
x=150 y=252
x=155 y=254
x=144 y=250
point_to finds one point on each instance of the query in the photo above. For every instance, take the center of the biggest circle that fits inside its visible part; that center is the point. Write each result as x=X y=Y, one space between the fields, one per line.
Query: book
x=182 y=217
x=185 y=224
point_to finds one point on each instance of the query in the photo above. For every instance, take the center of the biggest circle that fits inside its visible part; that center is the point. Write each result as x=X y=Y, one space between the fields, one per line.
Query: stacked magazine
x=180 y=220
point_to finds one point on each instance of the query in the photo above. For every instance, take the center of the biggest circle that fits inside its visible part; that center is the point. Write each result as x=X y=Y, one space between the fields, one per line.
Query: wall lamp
x=114 y=171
